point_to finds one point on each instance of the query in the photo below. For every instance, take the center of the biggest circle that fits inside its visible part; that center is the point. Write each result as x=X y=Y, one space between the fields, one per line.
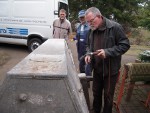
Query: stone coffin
x=45 y=81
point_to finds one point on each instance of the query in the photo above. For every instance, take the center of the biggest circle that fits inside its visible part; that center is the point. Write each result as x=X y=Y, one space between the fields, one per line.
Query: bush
x=139 y=36
x=145 y=56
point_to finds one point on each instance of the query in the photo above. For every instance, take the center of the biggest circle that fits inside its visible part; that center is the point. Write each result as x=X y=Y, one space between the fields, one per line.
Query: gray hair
x=95 y=11
x=62 y=10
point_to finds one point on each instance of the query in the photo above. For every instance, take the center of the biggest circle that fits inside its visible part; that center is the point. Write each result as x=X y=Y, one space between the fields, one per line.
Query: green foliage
x=145 y=56
x=145 y=23
x=127 y=12
x=144 y=15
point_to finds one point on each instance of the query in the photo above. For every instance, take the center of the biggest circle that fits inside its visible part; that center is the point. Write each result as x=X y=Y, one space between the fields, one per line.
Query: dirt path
x=15 y=55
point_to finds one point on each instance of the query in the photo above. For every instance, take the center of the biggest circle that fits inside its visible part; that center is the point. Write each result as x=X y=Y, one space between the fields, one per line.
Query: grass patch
x=136 y=49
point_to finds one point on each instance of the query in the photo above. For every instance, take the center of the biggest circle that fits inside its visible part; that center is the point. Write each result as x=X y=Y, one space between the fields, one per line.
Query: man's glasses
x=92 y=20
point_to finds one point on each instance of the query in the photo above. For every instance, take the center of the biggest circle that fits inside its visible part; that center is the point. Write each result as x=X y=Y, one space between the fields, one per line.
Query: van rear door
x=60 y=4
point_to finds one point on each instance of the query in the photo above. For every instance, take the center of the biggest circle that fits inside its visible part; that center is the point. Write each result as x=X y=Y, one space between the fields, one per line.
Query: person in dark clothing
x=106 y=43
x=81 y=37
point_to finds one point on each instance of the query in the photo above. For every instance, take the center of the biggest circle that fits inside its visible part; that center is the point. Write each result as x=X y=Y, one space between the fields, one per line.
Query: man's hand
x=87 y=59
x=101 y=53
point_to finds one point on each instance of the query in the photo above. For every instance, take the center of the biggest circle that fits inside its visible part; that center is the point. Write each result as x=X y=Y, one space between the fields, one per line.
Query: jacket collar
x=85 y=24
x=62 y=21
x=106 y=24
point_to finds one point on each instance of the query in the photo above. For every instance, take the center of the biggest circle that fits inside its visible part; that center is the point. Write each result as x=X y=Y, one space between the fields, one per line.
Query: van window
x=63 y=6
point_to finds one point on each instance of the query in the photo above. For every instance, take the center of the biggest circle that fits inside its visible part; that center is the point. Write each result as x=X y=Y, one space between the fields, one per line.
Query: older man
x=81 y=37
x=106 y=43
x=61 y=26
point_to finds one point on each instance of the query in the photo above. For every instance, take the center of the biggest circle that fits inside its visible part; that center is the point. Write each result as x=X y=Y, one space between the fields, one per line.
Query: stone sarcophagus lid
x=45 y=81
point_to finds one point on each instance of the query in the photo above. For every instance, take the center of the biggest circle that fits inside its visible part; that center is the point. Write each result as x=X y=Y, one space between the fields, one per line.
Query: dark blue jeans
x=84 y=68
x=106 y=84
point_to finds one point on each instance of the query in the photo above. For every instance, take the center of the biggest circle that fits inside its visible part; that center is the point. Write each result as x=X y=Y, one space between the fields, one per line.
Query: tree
x=144 y=14
x=126 y=12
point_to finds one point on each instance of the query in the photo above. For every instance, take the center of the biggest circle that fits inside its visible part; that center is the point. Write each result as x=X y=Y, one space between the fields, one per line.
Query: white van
x=28 y=22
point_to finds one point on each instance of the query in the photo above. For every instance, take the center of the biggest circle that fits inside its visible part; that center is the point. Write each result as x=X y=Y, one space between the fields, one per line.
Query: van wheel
x=33 y=44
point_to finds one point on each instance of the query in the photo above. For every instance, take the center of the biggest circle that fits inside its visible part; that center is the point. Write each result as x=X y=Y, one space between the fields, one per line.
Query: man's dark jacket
x=115 y=43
